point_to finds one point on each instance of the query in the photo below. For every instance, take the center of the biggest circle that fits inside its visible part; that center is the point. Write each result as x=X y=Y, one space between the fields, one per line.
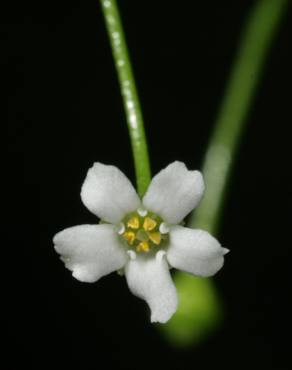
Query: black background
x=65 y=112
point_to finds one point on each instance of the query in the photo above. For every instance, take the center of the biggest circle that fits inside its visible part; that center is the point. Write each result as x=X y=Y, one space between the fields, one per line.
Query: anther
x=149 y=224
x=129 y=236
x=133 y=223
x=143 y=247
x=155 y=237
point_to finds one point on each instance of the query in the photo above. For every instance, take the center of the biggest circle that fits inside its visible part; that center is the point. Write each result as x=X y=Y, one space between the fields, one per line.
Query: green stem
x=200 y=310
x=257 y=37
x=129 y=93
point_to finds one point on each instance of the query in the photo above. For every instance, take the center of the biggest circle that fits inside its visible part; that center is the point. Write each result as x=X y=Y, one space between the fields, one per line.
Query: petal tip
x=81 y=276
x=160 y=320
x=101 y=193
x=174 y=192
x=56 y=239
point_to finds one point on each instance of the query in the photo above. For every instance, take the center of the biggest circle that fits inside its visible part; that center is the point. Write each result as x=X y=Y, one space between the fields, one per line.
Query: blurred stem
x=129 y=93
x=200 y=311
x=257 y=36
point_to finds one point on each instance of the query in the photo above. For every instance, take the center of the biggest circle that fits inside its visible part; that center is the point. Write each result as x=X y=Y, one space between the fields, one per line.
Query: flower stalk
x=129 y=93
x=256 y=39
x=257 y=35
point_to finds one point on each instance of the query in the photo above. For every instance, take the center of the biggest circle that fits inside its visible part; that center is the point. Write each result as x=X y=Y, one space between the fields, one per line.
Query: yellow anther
x=133 y=223
x=149 y=224
x=143 y=247
x=129 y=236
x=155 y=237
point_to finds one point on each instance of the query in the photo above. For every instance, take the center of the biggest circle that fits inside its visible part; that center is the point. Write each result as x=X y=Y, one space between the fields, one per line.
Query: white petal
x=149 y=278
x=194 y=251
x=174 y=192
x=90 y=251
x=108 y=193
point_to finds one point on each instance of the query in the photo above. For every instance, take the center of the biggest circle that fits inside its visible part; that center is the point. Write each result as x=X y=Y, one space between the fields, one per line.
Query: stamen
x=143 y=247
x=129 y=236
x=133 y=223
x=143 y=231
x=149 y=224
x=155 y=237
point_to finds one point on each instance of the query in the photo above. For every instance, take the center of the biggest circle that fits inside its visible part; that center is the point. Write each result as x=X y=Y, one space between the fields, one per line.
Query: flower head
x=141 y=237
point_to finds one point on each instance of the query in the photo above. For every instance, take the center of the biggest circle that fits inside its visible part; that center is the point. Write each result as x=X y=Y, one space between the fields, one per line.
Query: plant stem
x=257 y=37
x=129 y=93
x=200 y=310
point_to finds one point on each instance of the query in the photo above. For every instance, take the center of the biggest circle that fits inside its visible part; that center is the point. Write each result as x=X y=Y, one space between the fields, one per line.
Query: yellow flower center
x=142 y=232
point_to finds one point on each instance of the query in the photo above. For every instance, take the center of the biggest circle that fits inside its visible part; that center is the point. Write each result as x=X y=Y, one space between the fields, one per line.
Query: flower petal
x=90 y=251
x=194 y=251
x=108 y=193
x=174 y=192
x=149 y=278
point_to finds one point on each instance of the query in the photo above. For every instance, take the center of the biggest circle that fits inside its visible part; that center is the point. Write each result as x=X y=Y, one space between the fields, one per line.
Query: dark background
x=65 y=112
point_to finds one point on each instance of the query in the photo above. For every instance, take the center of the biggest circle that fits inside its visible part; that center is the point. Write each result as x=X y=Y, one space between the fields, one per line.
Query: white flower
x=141 y=238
